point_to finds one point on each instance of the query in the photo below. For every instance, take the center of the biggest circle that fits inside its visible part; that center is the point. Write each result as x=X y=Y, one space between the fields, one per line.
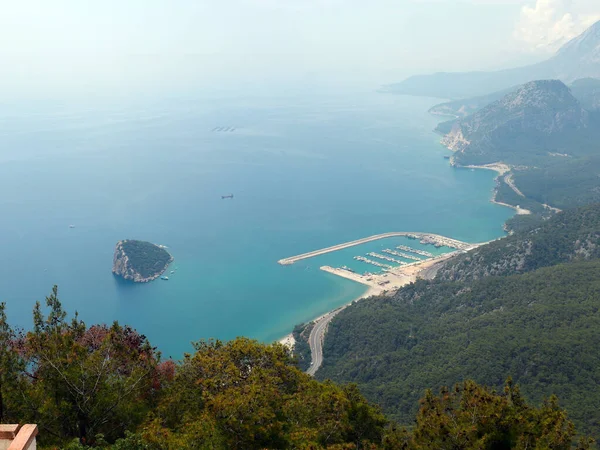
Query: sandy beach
x=501 y=168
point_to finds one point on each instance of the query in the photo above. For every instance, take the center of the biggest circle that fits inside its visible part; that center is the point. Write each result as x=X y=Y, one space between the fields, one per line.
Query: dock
x=395 y=277
x=387 y=258
x=425 y=238
x=370 y=261
x=402 y=255
x=415 y=251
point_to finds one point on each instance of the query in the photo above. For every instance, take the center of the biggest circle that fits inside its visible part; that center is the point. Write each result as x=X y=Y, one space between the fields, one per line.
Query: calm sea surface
x=306 y=173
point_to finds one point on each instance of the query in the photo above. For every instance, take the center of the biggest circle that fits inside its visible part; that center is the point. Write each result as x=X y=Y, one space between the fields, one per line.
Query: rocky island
x=140 y=261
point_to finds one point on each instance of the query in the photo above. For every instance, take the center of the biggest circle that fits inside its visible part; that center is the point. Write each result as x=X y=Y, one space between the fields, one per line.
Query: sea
x=306 y=170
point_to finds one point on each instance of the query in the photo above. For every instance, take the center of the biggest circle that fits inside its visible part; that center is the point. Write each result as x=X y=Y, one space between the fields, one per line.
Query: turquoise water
x=307 y=172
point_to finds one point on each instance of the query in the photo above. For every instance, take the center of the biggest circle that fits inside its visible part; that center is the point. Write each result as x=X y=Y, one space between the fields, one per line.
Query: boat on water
x=348 y=269
x=164 y=278
x=172 y=272
x=71 y=226
x=223 y=197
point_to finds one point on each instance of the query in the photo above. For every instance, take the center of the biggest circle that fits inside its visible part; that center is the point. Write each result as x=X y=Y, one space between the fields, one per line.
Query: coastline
x=289 y=341
x=416 y=269
x=410 y=274
x=501 y=169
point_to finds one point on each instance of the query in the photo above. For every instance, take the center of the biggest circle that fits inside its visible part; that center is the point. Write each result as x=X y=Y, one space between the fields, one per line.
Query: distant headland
x=140 y=261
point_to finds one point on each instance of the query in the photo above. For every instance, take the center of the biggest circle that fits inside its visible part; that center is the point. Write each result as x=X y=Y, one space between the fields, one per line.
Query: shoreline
x=423 y=266
x=404 y=275
x=501 y=169
x=289 y=341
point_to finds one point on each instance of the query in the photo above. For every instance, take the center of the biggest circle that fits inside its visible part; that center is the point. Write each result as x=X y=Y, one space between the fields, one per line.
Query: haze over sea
x=307 y=171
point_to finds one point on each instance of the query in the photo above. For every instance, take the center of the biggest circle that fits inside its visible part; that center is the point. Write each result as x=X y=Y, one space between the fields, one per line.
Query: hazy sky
x=100 y=43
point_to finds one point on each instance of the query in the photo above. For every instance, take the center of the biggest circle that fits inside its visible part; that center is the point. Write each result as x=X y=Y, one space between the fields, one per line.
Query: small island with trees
x=140 y=261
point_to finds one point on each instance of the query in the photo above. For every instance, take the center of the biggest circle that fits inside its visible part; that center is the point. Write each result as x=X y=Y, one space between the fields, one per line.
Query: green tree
x=83 y=382
x=474 y=417
x=10 y=365
x=243 y=394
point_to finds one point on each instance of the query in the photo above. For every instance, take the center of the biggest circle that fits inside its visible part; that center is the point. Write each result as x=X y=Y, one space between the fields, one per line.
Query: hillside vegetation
x=101 y=385
x=503 y=309
x=146 y=258
x=106 y=387
x=540 y=327
x=568 y=236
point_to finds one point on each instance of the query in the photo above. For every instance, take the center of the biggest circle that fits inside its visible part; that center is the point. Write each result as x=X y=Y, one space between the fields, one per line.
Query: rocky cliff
x=455 y=140
x=140 y=261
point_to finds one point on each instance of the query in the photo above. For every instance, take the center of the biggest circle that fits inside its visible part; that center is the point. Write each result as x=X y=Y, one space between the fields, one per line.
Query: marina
x=391 y=277
x=415 y=251
x=425 y=238
x=401 y=254
x=437 y=240
x=375 y=263
x=386 y=258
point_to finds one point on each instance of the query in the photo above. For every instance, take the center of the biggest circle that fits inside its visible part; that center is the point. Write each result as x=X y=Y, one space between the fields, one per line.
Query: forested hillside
x=527 y=306
x=564 y=182
x=570 y=235
x=540 y=328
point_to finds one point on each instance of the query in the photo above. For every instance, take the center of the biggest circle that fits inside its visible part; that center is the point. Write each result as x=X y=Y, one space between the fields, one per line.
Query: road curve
x=315 y=340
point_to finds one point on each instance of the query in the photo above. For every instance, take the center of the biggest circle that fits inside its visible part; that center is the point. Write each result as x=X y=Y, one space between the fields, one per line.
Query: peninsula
x=140 y=261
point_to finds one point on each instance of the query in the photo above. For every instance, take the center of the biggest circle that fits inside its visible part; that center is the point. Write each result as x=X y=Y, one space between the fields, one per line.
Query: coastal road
x=315 y=340
x=508 y=179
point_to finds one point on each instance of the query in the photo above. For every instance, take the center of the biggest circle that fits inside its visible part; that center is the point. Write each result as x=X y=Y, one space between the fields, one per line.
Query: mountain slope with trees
x=539 y=327
x=525 y=306
x=571 y=235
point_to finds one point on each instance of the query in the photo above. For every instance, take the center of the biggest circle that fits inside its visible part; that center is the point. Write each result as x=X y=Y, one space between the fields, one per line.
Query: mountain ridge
x=578 y=58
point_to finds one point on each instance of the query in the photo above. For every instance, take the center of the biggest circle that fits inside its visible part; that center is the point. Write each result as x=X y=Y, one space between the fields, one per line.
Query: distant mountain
x=578 y=58
x=467 y=106
x=586 y=90
x=538 y=118
x=544 y=133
